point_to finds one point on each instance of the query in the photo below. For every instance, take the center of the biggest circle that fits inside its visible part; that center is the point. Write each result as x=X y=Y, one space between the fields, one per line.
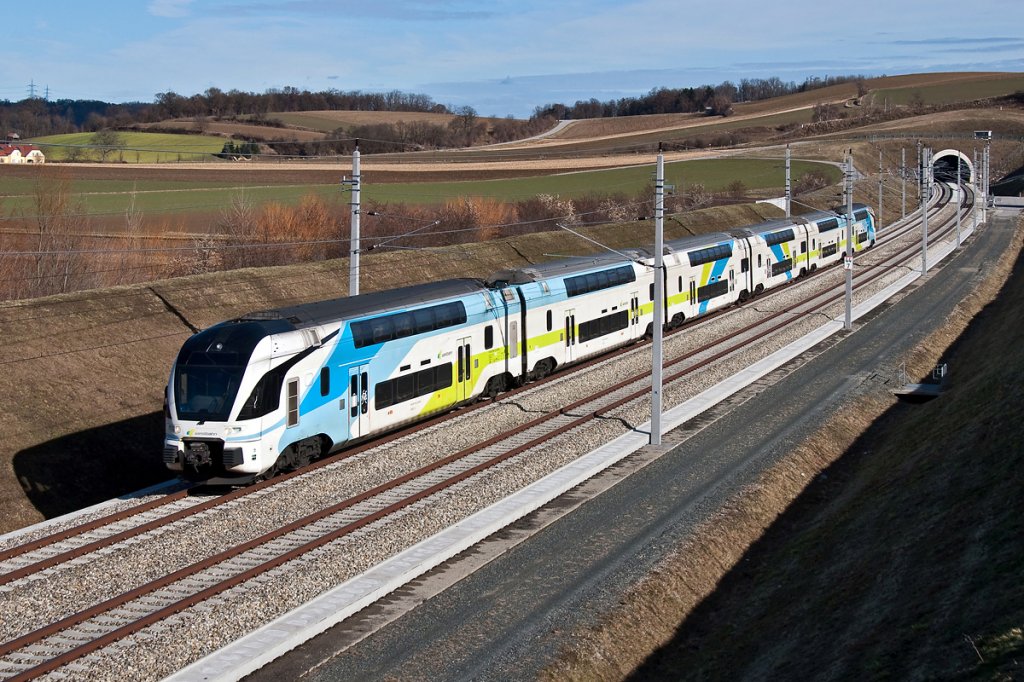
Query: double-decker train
x=274 y=390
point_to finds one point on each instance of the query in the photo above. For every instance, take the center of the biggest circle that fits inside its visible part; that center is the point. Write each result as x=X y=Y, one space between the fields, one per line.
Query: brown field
x=589 y=129
x=326 y=121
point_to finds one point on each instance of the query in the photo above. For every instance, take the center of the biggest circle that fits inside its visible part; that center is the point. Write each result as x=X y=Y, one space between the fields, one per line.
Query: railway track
x=262 y=556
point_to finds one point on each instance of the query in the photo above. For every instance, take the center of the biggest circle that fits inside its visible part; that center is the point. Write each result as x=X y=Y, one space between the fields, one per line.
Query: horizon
x=506 y=59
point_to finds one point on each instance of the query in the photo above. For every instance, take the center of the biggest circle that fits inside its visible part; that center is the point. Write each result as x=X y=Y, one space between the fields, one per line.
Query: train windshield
x=209 y=369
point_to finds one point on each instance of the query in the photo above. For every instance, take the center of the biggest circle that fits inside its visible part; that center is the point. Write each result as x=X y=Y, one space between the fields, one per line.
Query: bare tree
x=107 y=141
x=466 y=124
x=60 y=228
x=129 y=257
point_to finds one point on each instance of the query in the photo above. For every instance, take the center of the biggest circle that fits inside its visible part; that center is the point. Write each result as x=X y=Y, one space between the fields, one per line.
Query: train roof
x=321 y=312
x=761 y=228
x=837 y=212
x=696 y=241
x=564 y=267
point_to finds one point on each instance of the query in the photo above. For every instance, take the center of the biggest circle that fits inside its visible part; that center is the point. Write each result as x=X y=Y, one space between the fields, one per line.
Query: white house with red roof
x=21 y=153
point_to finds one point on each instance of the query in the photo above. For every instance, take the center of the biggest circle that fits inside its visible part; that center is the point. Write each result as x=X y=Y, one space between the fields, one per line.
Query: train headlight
x=177 y=429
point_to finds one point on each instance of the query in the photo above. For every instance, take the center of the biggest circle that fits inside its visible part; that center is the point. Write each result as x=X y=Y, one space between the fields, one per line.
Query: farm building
x=21 y=153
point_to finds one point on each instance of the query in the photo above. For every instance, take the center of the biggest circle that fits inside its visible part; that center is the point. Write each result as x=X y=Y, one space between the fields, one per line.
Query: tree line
x=713 y=99
x=35 y=117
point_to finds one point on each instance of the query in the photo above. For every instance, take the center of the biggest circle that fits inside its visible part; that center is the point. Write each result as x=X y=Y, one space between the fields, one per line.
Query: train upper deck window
x=860 y=215
x=773 y=238
x=595 y=281
x=710 y=254
x=826 y=225
x=400 y=325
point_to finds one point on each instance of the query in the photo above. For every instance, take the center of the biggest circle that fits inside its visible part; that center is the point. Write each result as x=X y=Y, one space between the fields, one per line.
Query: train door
x=464 y=369
x=358 y=401
x=570 y=335
x=693 y=298
x=513 y=339
x=634 y=309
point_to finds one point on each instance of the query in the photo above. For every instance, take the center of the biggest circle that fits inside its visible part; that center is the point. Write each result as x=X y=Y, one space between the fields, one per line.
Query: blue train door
x=358 y=401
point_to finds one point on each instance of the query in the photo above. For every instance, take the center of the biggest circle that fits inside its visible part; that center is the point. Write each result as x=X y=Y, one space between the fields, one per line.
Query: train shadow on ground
x=94 y=465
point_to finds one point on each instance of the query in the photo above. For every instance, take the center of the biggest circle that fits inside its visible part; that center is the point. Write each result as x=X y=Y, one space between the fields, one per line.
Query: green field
x=714 y=174
x=136 y=147
x=162 y=196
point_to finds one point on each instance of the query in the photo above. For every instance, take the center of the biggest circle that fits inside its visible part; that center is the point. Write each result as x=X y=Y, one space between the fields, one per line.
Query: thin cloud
x=956 y=41
x=172 y=9
x=394 y=11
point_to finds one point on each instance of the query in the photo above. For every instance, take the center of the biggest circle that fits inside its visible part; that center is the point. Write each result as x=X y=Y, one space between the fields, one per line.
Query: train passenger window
x=803 y=246
x=405 y=325
x=293 y=402
x=424 y=320
x=405 y=388
x=651 y=291
x=382 y=330
x=758 y=260
x=550 y=320
x=488 y=337
x=325 y=380
x=680 y=284
x=384 y=395
x=745 y=265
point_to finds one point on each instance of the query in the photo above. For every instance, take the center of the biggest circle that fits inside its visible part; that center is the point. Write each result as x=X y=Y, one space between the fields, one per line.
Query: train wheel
x=543 y=368
x=495 y=386
x=271 y=472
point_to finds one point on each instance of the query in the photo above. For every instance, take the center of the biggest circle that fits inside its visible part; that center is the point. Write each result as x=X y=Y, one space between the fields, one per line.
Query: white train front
x=277 y=389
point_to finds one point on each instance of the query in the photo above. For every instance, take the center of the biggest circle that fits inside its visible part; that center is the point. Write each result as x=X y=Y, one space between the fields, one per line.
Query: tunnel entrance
x=944 y=166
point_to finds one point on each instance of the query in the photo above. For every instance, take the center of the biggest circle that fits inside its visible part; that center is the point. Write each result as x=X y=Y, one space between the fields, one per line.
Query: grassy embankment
x=888 y=546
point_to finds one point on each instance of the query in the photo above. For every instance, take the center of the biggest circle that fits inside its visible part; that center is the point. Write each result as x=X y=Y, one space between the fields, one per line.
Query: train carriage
x=700 y=275
x=778 y=251
x=284 y=386
x=575 y=308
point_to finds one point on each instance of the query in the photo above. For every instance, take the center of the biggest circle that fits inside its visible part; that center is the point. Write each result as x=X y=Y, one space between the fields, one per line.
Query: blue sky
x=504 y=57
